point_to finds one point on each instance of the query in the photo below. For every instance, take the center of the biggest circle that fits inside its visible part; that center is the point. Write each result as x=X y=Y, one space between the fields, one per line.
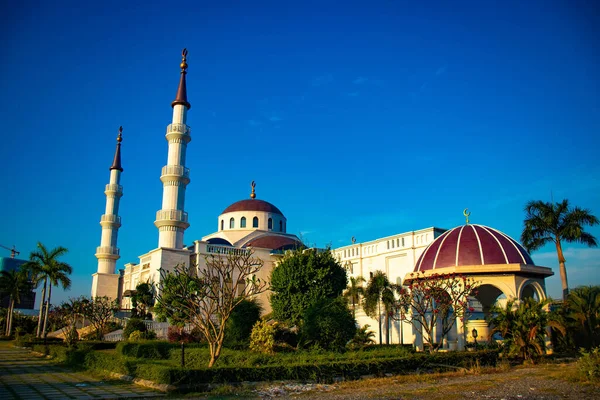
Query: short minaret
x=172 y=220
x=106 y=281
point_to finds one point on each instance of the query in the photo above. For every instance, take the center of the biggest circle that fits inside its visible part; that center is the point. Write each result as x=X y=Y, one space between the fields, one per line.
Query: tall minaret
x=106 y=281
x=172 y=220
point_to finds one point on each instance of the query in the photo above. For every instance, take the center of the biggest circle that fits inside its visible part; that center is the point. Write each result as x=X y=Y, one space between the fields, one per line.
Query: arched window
x=231 y=223
x=222 y=224
x=270 y=223
x=243 y=222
x=280 y=226
x=255 y=222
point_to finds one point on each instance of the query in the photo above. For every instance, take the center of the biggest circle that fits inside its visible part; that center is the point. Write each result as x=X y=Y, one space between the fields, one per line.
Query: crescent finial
x=466 y=213
x=253 y=194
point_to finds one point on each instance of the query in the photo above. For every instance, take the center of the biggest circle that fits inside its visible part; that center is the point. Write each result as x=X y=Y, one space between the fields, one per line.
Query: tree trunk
x=46 y=313
x=379 y=321
x=41 y=314
x=11 y=311
x=387 y=328
x=563 y=270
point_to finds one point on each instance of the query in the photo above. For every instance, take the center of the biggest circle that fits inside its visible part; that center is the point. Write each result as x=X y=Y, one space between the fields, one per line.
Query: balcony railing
x=110 y=218
x=179 y=128
x=107 y=250
x=111 y=187
x=171 y=215
x=175 y=170
x=217 y=249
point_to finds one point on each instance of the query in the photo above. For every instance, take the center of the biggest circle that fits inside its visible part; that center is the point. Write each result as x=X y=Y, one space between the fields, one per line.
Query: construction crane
x=13 y=251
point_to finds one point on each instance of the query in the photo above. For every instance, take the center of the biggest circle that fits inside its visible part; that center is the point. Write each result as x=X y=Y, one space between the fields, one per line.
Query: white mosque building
x=499 y=263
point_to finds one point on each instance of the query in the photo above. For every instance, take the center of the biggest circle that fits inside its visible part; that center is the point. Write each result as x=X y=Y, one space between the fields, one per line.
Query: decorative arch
x=243 y=222
x=270 y=223
x=255 y=222
x=531 y=288
x=222 y=224
x=231 y=223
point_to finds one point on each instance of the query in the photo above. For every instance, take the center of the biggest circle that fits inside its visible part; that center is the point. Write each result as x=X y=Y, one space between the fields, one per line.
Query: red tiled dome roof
x=252 y=205
x=472 y=245
x=273 y=242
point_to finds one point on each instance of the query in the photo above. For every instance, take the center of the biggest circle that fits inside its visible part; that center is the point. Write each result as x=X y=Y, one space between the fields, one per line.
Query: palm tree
x=523 y=327
x=583 y=310
x=354 y=292
x=45 y=267
x=13 y=283
x=554 y=223
x=380 y=293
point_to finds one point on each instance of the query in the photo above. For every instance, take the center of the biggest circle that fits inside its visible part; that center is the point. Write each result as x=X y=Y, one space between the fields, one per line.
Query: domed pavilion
x=498 y=263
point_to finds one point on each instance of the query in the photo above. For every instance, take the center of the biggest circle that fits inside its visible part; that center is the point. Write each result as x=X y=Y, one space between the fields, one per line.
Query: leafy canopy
x=301 y=279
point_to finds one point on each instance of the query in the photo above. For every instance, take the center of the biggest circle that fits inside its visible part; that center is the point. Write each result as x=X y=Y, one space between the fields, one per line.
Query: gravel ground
x=538 y=382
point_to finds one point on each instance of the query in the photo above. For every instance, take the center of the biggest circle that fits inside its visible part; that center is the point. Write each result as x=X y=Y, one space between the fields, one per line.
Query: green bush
x=136 y=336
x=262 y=338
x=133 y=324
x=145 y=349
x=328 y=324
x=588 y=366
x=240 y=323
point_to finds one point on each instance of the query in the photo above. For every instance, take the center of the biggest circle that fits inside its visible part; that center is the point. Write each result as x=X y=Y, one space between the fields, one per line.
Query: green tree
x=206 y=297
x=379 y=300
x=354 y=292
x=328 y=324
x=523 y=327
x=45 y=267
x=583 y=315
x=556 y=223
x=142 y=300
x=13 y=284
x=301 y=279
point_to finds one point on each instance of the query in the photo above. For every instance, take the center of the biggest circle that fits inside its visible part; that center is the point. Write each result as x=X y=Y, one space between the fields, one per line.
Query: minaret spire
x=106 y=281
x=181 y=97
x=117 y=160
x=172 y=220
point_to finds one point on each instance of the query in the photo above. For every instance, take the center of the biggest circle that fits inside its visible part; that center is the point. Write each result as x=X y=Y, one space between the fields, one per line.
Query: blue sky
x=365 y=120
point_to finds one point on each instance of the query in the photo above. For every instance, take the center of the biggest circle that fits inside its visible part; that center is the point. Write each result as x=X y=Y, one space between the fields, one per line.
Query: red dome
x=274 y=242
x=472 y=245
x=253 y=205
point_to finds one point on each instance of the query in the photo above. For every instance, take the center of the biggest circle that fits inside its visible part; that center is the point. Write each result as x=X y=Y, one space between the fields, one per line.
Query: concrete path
x=25 y=376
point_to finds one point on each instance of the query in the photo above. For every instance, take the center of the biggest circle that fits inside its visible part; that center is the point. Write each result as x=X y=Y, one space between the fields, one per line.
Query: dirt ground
x=549 y=381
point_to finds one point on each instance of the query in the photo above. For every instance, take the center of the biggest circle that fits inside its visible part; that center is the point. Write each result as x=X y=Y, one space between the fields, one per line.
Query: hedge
x=156 y=350
x=325 y=372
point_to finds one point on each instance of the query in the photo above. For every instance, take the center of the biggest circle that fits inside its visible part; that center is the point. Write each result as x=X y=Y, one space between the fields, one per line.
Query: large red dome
x=252 y=205
x=472 y=245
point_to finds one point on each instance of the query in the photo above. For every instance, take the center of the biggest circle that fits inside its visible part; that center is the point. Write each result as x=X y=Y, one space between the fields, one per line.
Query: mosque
x=497 y=262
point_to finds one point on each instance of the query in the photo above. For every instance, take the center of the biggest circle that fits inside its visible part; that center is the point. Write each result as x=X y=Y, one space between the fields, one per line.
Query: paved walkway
x=25 y=376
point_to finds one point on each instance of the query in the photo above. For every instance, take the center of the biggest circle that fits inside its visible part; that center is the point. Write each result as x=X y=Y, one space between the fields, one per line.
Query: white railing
x=177 y=170
x=115 y=336
x=171 y=215
x=107 y=250
x=179 y=128
x=217 y=249
x=111 y=187
x=110 y=218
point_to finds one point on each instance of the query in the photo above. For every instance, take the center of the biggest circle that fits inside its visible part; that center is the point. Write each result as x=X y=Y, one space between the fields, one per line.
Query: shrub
x=262 y=338
x=240 y=323
x=362 y=338
x=136 y=336
x=134 y=324
x=177 y=335
x=328 y=325
x=588 y=366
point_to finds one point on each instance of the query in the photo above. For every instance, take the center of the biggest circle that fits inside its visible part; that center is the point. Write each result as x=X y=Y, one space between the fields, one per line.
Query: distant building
x=28 y=299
